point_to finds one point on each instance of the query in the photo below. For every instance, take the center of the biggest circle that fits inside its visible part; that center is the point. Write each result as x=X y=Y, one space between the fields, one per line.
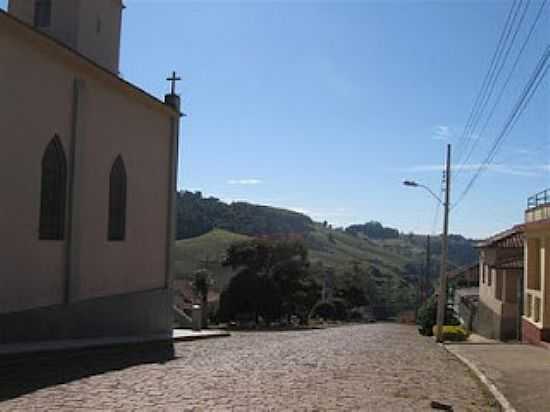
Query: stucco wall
x=33 y=109
x=537 y=271
x=36 y=89
x=103 y=45
x=497 y=318
x=113 y=126
x=91 y=27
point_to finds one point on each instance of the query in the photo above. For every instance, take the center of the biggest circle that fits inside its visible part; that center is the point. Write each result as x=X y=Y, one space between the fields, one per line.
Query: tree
x=273 y=280
x=202 y=280
x=374 y=230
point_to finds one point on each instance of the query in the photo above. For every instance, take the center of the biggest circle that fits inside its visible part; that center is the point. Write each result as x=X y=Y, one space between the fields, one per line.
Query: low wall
x=489 y=322
x=532 y=334
x=134 y=314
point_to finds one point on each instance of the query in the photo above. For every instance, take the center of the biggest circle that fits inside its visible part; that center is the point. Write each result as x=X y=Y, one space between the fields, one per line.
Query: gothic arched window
x=53 y=192
x=117 y=200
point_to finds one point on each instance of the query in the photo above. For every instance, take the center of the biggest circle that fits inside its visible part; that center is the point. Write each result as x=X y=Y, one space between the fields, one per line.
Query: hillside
x=327 y=248
x=197 y=215
x=208 y=226
x=206 y=251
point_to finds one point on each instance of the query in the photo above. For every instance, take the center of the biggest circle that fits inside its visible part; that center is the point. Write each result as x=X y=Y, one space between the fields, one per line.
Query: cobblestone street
x=378 y=367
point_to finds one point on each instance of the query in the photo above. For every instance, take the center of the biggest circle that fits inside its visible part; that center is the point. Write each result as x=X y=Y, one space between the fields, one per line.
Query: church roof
x=121 y=83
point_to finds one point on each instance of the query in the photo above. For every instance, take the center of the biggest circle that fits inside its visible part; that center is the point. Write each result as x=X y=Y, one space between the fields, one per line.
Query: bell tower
x=91 y=27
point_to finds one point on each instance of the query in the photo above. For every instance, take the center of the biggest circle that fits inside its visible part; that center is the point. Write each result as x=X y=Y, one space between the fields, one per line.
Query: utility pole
x=427 y=271
x=442 y=298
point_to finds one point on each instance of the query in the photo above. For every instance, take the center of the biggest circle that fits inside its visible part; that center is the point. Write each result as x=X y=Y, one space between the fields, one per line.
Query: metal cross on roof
x=173 y=79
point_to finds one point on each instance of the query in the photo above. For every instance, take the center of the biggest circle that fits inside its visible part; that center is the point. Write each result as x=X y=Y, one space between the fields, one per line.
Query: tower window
x=53 y=193
x=117 y=201
x=42 y=13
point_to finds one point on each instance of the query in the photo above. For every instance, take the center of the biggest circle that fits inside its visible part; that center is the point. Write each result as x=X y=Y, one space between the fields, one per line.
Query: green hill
x=208 y=226
x=339 y=249
x=206 y=251
x=327 y=248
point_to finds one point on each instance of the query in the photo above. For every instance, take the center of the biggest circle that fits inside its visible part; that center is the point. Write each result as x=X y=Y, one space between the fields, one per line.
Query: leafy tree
x=273 y=280
x=374 y=230
x=250 y=294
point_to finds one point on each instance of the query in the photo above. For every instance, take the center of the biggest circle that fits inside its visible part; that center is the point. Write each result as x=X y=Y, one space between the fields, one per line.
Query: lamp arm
x=432 y=193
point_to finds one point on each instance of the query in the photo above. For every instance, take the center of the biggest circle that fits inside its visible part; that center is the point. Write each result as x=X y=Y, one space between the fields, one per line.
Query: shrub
x=427 y=314
x=325 y=310
x=426 y=317
x=340 y=309
x=453 y=333
x=334 y=309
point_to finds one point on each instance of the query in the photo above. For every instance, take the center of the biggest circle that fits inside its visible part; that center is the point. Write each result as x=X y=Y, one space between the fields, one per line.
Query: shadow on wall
x=494 y=325
x=28 y=373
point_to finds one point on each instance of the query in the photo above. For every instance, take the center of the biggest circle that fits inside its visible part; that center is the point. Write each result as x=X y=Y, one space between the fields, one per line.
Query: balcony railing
x=541 y=198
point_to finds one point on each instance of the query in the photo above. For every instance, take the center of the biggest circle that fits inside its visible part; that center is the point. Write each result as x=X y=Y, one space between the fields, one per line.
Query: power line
x=494 y=80
x=514 y=9
x=519 y=108
x=499 y=66
x=507 y=81
x=523 y=101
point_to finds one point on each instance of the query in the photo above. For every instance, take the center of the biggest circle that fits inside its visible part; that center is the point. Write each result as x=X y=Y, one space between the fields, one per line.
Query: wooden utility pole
x=427 y=271
x=442 y=298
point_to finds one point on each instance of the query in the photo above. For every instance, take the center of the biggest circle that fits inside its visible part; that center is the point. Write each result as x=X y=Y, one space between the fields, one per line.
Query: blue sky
x=325 y=106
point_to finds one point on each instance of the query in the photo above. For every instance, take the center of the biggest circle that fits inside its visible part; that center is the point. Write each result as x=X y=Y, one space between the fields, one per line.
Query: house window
x=42 y=13
x=53 y=192
x=499 y=283
x=533 y=264
x=117 y=201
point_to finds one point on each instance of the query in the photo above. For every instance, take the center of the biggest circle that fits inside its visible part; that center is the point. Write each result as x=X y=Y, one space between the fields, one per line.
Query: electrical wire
x=523 y=101
x=505 y=85
x=514 y=9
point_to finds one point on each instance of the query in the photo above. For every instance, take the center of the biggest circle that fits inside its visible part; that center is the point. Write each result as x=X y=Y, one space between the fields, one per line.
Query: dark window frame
x=42 y=13
x=53 y=192
x=116 y=231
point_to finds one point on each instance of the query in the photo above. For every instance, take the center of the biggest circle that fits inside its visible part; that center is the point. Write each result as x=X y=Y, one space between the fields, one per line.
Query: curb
x=503 y=402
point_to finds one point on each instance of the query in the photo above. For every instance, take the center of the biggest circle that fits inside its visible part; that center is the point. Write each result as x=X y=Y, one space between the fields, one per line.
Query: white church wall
x=35 y=97
x=99 y=31
x=115 y=125
x=36 y=92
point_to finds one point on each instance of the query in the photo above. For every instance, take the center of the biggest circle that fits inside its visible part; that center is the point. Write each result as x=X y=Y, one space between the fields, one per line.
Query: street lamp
x=412 y=183
x=442 y=298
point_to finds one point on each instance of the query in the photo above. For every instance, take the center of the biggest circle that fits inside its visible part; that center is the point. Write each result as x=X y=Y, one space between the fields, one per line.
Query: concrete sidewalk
x=517 y=374
x=178 y=335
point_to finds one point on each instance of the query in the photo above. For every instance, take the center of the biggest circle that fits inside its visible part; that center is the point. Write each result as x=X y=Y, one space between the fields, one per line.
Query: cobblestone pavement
x=376 y=367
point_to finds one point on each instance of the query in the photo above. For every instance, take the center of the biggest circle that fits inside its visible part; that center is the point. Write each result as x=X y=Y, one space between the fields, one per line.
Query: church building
x=88 y=170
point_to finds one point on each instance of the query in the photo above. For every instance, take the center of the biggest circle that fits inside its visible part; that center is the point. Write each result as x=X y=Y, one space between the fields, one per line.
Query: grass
x=206 y=251
x=333 y=248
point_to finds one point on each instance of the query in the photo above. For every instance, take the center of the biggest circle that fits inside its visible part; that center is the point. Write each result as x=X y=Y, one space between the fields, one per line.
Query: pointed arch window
x=117 y=201
x=53 y=192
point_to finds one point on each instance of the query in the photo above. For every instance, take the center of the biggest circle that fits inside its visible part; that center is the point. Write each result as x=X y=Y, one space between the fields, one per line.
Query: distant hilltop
x=198 y=215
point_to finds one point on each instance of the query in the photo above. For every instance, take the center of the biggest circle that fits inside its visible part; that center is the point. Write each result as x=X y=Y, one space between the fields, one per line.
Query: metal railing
x=541 y=198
